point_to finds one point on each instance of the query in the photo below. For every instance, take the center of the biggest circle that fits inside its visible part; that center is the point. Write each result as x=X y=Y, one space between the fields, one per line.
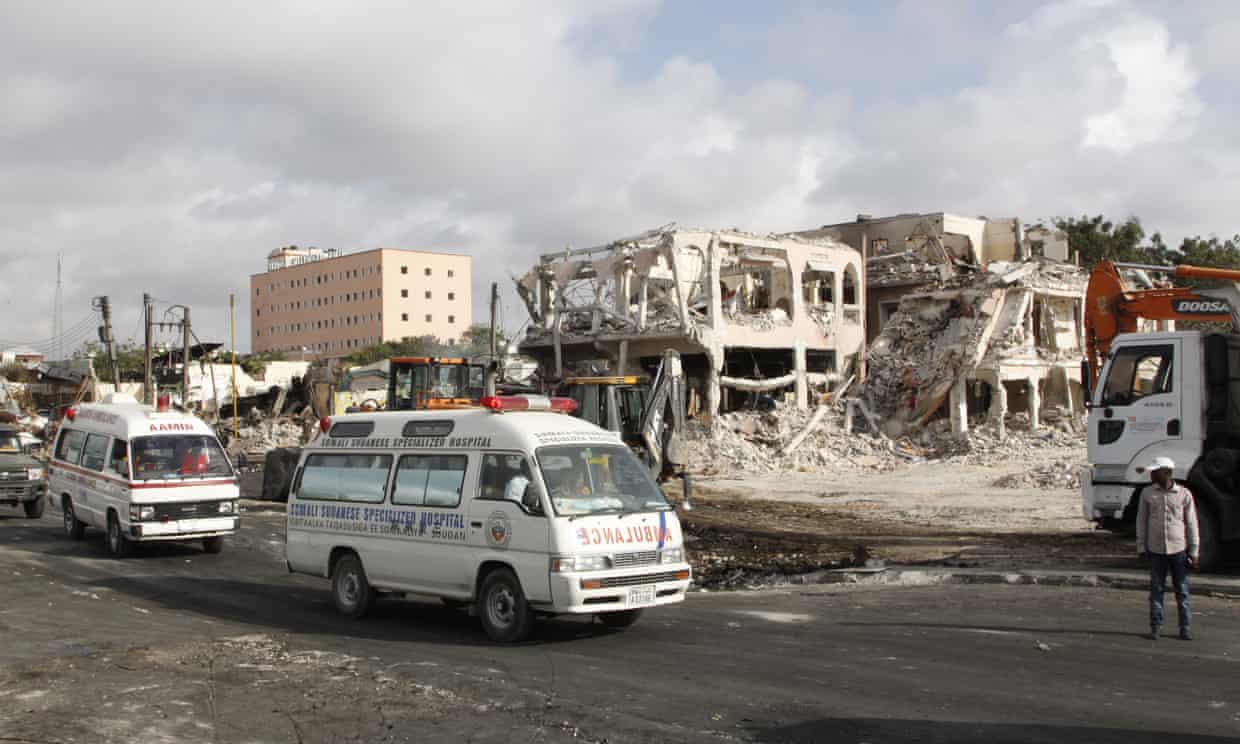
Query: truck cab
x=1167 y=394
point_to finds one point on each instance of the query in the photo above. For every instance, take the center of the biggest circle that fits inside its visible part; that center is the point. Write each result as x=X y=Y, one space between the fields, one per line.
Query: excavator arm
x=1113 y=307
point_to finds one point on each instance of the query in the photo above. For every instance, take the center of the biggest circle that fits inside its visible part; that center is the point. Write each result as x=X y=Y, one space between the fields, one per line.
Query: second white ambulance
x=141 y=473
x=513 y=509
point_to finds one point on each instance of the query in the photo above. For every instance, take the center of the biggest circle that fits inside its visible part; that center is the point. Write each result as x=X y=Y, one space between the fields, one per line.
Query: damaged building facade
x=749 y=314
x=909 y=251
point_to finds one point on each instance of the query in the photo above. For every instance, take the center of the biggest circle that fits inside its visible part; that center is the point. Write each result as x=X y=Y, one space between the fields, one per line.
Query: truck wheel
x=351 y=592
x=74 y=528
x=118 y=544
x=34 y=509
x=619 y=619
x=213 y=545
x=1211 y=545
x=506 y=616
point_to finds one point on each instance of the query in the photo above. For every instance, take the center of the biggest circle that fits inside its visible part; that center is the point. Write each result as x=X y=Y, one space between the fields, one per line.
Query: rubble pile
x=256 y=436
x=756 y=442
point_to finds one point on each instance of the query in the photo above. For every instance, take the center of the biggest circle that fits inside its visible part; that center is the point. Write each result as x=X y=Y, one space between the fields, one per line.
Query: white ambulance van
x=141 y=473
x=513 y=509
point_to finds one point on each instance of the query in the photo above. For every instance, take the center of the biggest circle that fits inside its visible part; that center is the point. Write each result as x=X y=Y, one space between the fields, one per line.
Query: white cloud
x=1158 y=81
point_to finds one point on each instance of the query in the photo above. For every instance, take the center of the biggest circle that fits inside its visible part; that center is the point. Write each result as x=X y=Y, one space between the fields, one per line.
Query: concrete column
x=714 y=369
x=802 y=384
x=623 y=362
x=958 y=399
x=999 y=407
x=1035 y=403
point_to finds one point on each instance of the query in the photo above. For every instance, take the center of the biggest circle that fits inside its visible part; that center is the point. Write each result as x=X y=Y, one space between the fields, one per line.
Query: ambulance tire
x=620 y=619
x=34 y=509
x=506 y=616
x=118 y=544
x=74 y=527
x=213 y=545
x=351 y=592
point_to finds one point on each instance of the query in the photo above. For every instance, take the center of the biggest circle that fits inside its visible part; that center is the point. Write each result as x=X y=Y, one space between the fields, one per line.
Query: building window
x=452 y=295
x=404 y=316
x=404 y=293
x=451 y=273
x=451 y=318
x=428 y=294
x=404 y=269
x=258 y=311
x=427 y=271
x=428 y=318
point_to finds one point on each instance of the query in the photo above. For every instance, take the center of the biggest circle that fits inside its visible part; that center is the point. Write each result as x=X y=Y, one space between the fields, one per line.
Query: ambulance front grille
x=632 y=560
x=615 y=581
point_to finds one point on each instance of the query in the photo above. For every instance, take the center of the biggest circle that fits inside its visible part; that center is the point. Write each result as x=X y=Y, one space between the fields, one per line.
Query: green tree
x=1094 y=239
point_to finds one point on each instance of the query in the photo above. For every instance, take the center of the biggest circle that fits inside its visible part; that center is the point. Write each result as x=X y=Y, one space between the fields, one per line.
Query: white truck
x=1168 y=393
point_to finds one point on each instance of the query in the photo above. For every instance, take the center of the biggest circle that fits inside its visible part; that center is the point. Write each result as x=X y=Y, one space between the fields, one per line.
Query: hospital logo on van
x=499 y=529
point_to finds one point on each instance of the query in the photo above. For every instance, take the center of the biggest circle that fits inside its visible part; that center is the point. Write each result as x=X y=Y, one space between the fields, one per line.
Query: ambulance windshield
x=598 y=479
x=179 y=456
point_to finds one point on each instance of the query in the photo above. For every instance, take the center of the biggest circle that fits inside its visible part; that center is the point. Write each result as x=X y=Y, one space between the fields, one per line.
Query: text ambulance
x=142 y=474
x=512 y=509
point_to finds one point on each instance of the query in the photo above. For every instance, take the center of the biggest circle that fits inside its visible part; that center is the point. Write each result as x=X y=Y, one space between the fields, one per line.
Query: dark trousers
x=1177 y=564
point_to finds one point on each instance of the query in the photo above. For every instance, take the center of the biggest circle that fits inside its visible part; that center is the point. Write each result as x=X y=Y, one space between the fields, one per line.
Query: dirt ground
x=756 y=529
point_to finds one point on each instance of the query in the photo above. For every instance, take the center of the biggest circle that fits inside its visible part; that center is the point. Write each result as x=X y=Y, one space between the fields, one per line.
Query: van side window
x=119 y=459
x=504 y=476
x=95 y=451
x=69 y=448
x=355 y=477
x=429 y=480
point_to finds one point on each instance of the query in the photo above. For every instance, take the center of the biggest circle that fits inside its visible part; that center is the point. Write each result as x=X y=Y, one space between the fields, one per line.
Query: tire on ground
x=506 y=616
x=1209 y=536
x=74 y=527
x=33 y=509
x=118 y=543
x=351 y=591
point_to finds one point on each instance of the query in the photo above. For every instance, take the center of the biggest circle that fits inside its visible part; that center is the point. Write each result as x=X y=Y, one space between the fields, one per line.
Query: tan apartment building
x=332 y=304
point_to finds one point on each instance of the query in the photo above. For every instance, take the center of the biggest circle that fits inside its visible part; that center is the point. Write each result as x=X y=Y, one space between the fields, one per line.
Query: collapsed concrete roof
x=1014 y=322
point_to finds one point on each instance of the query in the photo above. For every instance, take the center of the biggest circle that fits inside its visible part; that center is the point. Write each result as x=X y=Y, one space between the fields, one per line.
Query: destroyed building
x=986 y=343
x=909 y=251
x=748 y=313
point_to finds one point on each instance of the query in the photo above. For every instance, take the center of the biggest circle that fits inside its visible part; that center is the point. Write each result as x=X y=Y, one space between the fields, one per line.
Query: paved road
x=177 y=645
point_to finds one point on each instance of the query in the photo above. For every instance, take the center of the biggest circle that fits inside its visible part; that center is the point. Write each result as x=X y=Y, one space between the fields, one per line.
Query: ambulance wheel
x=74 y=528
x=351 y=592
x=213 y=545
x=506 y=616
x=1211 y=546
x=34 y=509
x=619 y=619
x=118 y=544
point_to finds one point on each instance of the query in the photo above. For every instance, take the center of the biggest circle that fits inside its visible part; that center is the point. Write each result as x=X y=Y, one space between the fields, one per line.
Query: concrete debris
x=257 y=435
x=786 y=439
x=1013 y=332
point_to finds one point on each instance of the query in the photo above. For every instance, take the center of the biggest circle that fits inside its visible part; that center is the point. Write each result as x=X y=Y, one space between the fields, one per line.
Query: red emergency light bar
x=501 y=403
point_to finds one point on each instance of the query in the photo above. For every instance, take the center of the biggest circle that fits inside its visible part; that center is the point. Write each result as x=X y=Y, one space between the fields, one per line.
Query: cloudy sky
x=166 y=147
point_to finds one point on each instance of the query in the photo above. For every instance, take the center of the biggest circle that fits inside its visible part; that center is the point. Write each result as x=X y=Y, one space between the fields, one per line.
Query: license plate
x=641 y=595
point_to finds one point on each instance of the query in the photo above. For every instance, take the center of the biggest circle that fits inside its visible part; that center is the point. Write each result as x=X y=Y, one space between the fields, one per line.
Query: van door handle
x=1173 y=428
x=475 y=524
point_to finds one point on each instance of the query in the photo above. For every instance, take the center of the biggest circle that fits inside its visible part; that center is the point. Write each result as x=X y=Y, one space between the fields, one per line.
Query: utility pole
x=494 y=307
x=232 y=332
x=148 y=376
x=185 y=330
x=104 y=306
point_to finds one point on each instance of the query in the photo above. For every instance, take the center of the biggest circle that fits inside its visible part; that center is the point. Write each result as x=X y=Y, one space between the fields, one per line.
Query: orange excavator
x=433 y=383
x=1113 y=306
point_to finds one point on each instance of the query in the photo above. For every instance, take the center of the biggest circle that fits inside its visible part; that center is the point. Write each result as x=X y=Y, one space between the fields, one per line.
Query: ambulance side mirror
x=531 y=499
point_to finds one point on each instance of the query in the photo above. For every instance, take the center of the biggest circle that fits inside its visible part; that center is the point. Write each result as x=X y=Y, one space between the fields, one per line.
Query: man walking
x=1167 y=533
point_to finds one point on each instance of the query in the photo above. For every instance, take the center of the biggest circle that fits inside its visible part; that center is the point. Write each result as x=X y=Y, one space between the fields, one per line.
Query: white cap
x=1161 y=463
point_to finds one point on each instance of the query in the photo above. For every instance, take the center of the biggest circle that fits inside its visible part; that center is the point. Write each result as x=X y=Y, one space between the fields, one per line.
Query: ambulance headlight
x=139 y=513
x=228 y=507
x=672 y=555
x=578 y=563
